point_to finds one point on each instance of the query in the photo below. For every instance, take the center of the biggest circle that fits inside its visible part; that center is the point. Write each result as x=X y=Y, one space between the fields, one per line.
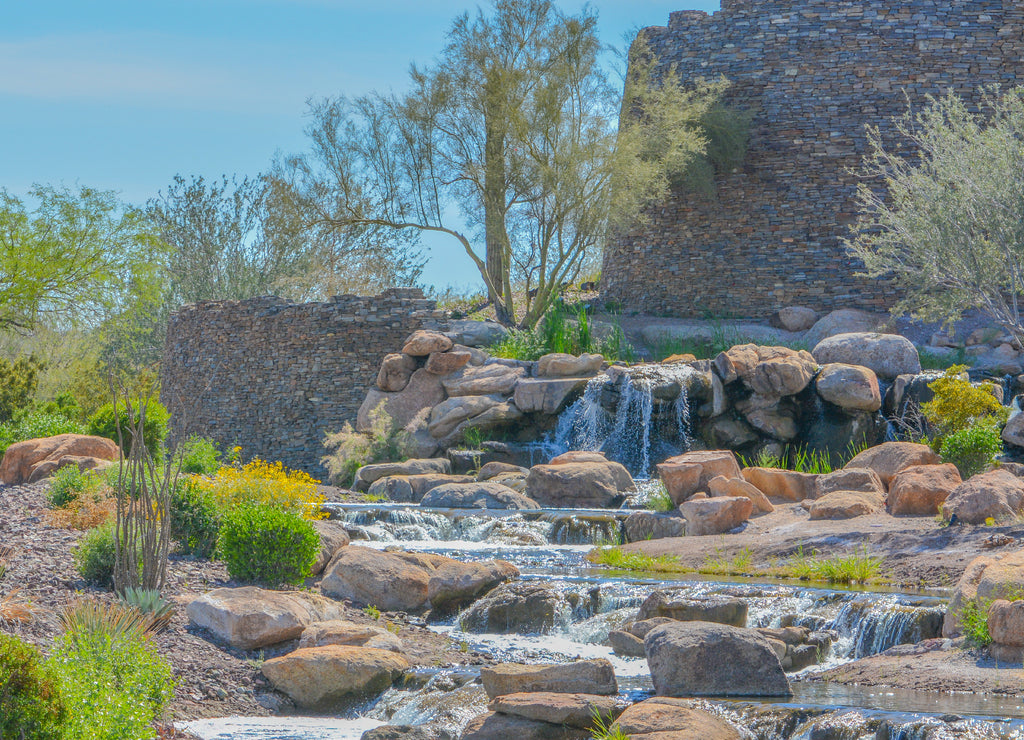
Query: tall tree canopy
x=510 y=144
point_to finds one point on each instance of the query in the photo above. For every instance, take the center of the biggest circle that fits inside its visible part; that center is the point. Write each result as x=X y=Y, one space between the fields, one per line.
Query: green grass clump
x=659 y=500
x=618 y=559
x=563 y=329
x=974 y=624
x=199 y=456
x=859 y=567
x=740 y=564
x=803 y=460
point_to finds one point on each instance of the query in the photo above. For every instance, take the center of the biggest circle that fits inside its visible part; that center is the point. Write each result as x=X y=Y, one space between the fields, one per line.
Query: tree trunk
x=495 y=234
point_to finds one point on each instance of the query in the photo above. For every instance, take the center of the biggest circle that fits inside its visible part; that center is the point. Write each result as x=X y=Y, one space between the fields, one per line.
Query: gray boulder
x=523 y=606
x=581 y=677
x=368 y=474
x=714 y=608
x=888 y=355
x=485 y=495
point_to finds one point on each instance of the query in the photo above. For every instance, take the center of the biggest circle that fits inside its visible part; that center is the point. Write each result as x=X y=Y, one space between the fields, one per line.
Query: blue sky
x=123 y=95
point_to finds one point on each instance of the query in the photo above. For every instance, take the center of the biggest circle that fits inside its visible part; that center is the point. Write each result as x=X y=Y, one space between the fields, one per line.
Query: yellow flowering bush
x=264 y=483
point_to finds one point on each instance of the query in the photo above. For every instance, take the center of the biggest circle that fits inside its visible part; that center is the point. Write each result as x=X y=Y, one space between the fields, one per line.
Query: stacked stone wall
x=815 y=73
x=273 y=376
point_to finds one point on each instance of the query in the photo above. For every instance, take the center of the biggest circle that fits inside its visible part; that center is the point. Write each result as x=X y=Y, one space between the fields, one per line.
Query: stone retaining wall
x=815 y=72
x=273 y=376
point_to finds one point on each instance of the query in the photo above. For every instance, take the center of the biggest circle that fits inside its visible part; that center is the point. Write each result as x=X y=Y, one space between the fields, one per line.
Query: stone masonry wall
x=273 y=376
x=815 y=72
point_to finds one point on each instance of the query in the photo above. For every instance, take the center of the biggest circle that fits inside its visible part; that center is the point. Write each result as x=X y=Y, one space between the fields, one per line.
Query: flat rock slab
x=571 y=710
x=665 y=718
x=351 y=634
x=497 y=726
x=582 y=677
x=321 y=677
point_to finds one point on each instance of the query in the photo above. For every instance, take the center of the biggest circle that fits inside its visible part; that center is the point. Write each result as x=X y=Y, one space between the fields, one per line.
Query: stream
x=551 y=545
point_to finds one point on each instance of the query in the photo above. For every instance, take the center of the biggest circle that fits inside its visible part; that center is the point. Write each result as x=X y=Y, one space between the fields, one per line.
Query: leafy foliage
x=659 y=500
x=562 y=330
x=349 y=450
x=36 y=424
x=959 y=404
x=31 y=704
x=195 y=518
x=974 y=623
x=973 y=450
x=94 y=556
x=66 y=485
x=264 y=483
x=264 y=544
x=18 y=381
x=198 y=456
x=105 y=421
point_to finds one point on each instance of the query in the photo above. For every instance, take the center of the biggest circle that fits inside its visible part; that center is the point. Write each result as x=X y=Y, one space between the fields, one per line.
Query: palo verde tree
x=510 y=144
x=943 y=208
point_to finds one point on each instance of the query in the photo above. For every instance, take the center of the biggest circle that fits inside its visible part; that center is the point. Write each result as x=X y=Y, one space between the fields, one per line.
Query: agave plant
x=88 y=618
x=149 y=601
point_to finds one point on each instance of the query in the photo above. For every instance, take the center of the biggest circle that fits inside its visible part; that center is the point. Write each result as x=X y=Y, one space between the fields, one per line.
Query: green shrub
x=112 y=677
x=18 y=381
x=105 y=421
x=264 y=544
x=199 y=456
x=973 y=449
x=195 y=519
x=66 y=485
x=974 y=623
x=562 y=329
x=37 y=424
x=94 y=556
x=31 y=704
x=959 y=404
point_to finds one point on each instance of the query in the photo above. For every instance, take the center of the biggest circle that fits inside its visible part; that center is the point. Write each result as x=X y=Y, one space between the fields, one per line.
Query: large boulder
x=920 y=490
x=996 y=495
x=680 y=607
x=500 y=726
x=494 y=469
x=794 y=318
x=715 y=515
x=546 y=395
x=888 y=355
x=351 y=634
x=777 y=483
x=678 y=475
x=412 y=488
x=560 y=365
x=770 y=415
x=422 y=343
x=523 y=606
x=581 y=677
x=446 y=363
x=578 y=456
x=650 y=525
x=669 y=718
x=579 y=485
x=558 y=708
x=251 y=618
x=423 y=391
x=846 y=505
x=1006 y=628
x=34 y=459
x=367 y=474
x=769 y=371
x=849 y=387
x=722 y=486
x=844 y=321
x=333 y=537
x=1013 y=432
x=403 y=581
x=321 y=677
x=473 y=333
x=707 y=659
x=485 y=380
x=889 y=458
x=449 y=414
x=850 y=479
x=625 y=644
x=486 y=495
x=985 y=579
x=395 y=371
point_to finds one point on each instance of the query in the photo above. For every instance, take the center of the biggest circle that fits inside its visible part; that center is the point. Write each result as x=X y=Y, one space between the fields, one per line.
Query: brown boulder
x=445 y=363
x=889 y=458
x=395 y=371
x=770 y=371
x=368 y=474
x=423 y=391
x=579 y=485
x=721 y=486
x=33 y=459
x=681 y=480
x=713 y=463
x=578 y=456
x=715 y=515
x=557 y=708
x=342 y=632
x=454 y=584
x=1006 y=622
x=560 y=365
x=546 y=395
x=777 y=483
x=626 y=644
x=333 y=537
x=717 y=608
x=320 y=677
x=920 y=490
x=846 y=505
x=498 y=726
x=422 y=343
x=667 y=718
x=492 y=469
x=996 y=495
x=849 y=387
x=850 y=479
x=581 y=677
x=985 y=579
x=412 y=488
x=485 y=380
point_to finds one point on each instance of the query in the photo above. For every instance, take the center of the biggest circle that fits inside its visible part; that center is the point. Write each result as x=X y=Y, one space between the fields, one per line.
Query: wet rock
x=770 y=415
x=920 y=490
x=887 y=355
x=579 y=485
x=497 y=726
x=799 y=657
x=706 y=659
x=524 y=606
x=787 y=485
x=795 y=318
x=423 y=391
x=412 y=488
x=996 y=495
x=445 y=363
x=850 y=479
x=714 y=608
x=473 y=333
x=333 y=537
x=395 y=371
x=849 y=387
x=35 y=459
x=625 y=644
x=485 y=380
x=491 y=469
x=581 y=677
x=370 y=473
x=578 y=456
x=558 y=708
x=734 y=487
x=251 y=618
x=665 y=718
x=422 y=343
x=546 y=395
x=727 y=432
x=454 y=584
x=889 y=458
x=321 y=677
x=985 y=579
x=649 y=525
x=341 y=632
x=715 y=515
x=486 y=495
x=560 y=365
x=846 y=505
x=641 y=627
x=844 y=321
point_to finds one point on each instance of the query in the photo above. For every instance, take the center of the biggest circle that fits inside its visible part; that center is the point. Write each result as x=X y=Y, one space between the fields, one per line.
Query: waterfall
x=869 y=627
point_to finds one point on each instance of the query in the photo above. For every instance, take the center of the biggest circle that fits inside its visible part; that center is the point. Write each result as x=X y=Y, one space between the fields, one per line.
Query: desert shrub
x=94 y=556
x=35 y=424
x=260 y=482
x=973 y=449
x=110 y=674
x=199 y=456
x=958 y=404
x=974 y=623
x=31 y=704
x=105 y=421
x=562 y=329
x=65 y=486
x=265 y=544
x=350 y=450
x=195 y=519
x=18 y=381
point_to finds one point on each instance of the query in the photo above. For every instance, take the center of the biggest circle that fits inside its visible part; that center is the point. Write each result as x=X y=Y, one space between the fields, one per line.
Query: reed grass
x=616 y=558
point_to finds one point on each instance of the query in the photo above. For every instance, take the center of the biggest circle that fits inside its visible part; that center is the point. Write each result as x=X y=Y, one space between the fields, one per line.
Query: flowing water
x=551 y=545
